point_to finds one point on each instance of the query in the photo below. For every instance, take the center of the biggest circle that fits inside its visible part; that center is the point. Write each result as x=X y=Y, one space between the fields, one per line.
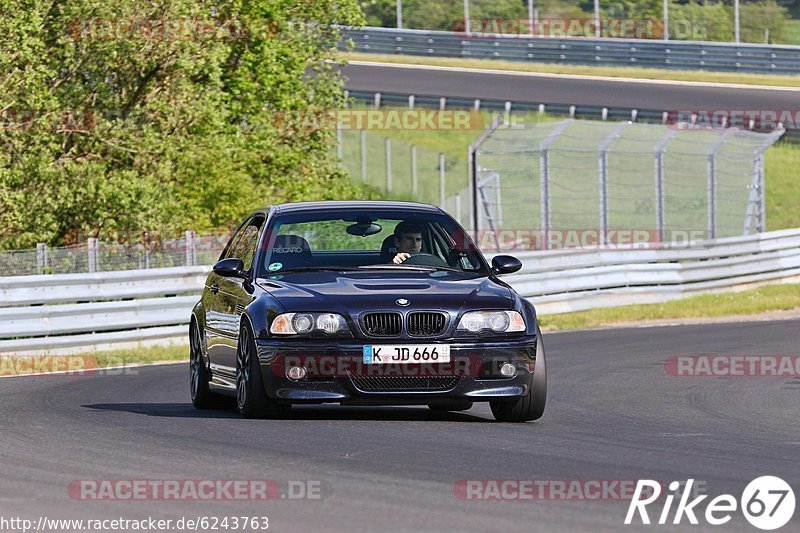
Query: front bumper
x=336 y=373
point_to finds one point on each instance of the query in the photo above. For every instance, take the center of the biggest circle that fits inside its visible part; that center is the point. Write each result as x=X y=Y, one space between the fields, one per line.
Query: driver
x=407 y=240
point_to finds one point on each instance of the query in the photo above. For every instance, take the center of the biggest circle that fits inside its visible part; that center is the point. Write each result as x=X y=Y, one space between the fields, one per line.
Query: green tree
x=110 y=132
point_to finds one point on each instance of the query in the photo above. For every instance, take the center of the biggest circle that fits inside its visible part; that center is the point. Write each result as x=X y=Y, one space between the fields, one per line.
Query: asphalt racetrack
x=614 y=413
x=552 y=89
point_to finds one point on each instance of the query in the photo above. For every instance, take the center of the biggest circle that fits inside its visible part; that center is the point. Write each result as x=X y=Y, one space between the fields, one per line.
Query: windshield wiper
x=416 y=268
x=315 y=269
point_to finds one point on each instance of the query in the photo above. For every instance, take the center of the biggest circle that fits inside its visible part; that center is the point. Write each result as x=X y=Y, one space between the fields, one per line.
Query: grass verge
x=586 y=70
x=763 y=299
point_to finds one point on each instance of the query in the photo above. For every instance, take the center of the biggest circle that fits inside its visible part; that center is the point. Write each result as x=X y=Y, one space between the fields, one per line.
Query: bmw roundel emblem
x=402 y=302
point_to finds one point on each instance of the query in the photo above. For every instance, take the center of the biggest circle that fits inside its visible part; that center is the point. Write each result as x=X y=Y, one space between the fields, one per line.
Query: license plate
x=407 y=353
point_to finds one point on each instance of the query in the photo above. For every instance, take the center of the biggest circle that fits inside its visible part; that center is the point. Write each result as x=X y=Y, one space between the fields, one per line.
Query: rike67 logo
x=767 y=503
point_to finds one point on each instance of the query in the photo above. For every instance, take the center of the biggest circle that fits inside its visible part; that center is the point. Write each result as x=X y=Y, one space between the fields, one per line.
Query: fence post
x=441 y=181
x=364 y=156
x=472 y=169
x=544 y=172
x=41 y=257
x=91 y=250
x=660 y=148
x=414 y=169
x=603 y=162
x=458 y=208
x=339 y=143
x=191 y=259
x=712 y=181
x=388 y=164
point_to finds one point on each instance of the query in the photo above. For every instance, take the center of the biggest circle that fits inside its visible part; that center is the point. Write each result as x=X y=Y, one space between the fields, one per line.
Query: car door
x=235 y=294
x=217 y=331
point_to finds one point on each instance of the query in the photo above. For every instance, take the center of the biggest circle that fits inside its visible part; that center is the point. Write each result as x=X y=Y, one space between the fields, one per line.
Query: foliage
x=107 y=133
x=689 y=20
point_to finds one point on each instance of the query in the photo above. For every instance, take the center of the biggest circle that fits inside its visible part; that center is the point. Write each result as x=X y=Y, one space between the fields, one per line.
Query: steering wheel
x=426 y=260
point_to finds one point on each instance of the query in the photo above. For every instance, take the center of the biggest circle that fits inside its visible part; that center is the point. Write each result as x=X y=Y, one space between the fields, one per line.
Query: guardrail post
x=364 y=156
x=388 y=164
x=762 y=195
x=377 y=100
x=660 y=148
x=442 y=103
x=414 y=169
x=411 y=102
x=91 y=250
x=441 y=181
x=191 y=259
x=41 y=257
x=458 y=207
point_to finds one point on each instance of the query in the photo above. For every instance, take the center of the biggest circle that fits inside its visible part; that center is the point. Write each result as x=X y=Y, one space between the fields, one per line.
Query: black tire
x=199 y=375
x=531 y=406
x=251 y=398
x=454 y=405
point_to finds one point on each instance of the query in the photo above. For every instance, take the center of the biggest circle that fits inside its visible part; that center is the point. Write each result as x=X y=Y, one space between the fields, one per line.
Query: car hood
x=351 y=293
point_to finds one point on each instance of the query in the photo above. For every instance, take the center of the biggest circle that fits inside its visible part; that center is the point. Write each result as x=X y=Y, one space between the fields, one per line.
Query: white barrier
x=45 y=313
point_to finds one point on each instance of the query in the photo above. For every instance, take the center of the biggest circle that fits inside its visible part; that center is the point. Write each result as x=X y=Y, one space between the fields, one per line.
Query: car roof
x=301 y=207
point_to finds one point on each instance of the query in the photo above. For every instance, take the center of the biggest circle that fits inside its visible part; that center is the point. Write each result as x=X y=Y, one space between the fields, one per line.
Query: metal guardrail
x=565 y=281
x=695 y=55
x=49 y=313
x=139 y=306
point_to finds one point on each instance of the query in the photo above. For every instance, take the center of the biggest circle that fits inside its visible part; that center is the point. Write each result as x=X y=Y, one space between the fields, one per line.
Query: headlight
x=304 y=323
x=497 y=321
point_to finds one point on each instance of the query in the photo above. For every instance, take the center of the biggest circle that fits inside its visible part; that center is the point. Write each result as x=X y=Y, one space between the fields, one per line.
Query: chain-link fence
x=99 y=256
x=577 y=183
x=403 y=169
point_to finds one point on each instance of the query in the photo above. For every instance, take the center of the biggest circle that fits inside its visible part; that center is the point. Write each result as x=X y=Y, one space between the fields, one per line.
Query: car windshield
x=370 y=240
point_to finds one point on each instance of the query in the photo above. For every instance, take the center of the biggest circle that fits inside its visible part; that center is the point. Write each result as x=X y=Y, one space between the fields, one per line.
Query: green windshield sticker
x=275 y=266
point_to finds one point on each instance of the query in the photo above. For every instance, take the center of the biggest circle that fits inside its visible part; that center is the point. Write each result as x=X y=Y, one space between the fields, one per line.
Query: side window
x=244 y=245
x=227 y=252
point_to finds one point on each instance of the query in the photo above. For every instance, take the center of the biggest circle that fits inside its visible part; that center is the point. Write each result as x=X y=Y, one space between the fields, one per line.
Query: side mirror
x=230 y=268
x=505 y=264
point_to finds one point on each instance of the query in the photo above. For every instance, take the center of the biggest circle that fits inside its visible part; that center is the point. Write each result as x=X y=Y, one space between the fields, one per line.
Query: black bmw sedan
x=376 y=303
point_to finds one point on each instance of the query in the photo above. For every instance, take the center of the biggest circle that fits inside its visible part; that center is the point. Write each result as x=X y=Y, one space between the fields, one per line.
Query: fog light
x=508 y=370
x=296 y=373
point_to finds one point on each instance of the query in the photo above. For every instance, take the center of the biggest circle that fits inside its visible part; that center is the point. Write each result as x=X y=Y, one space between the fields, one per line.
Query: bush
x=110 y=135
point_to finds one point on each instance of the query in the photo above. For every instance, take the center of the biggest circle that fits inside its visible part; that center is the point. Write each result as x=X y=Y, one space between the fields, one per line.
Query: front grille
x=404 y=384
x=426 y=324
x=382 y=324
